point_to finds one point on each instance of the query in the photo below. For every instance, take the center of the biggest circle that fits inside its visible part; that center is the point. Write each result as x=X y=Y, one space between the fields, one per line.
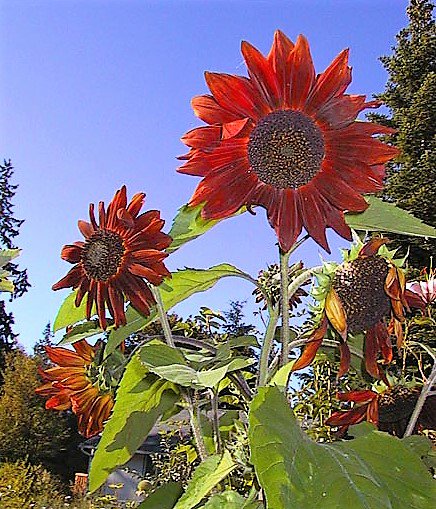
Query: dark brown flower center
x=286 y=149
x=102 y=255
x=360 y=286
x=397 y=403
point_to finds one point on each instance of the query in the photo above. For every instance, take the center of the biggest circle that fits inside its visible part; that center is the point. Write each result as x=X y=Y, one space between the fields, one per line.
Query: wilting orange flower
x=73 y=384
x=118 y=253
x=390 y=410
x=363 y=293
x=288 y=140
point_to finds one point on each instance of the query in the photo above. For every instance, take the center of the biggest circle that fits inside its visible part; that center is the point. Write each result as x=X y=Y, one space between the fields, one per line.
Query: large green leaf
x=164 y=497
x=169 y=363
x=69 y=314
x=141 y=399
x=225 y=500
x=206 y=476
x=182 y=285
x=383 y=216
x=188 y=225
x=373 y=471
x=81 y=331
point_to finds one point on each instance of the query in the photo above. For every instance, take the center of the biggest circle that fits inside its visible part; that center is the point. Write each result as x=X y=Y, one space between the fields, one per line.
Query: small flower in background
x=119 y=252
x=79 y=383
x=357 y=297
x=388 y=408
x=421 y=294
x=288 y=140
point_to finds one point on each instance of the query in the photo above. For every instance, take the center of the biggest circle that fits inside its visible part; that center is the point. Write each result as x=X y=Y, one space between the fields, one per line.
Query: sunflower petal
x=335 y=313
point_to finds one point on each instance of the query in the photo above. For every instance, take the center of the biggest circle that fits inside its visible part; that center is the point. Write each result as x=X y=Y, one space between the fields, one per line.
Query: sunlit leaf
x=164 y=497
x=188 y=225
x=182 y=285
x=386 y=217
x=141 y=399
x=206 y=476
x=69 y=314
x=81 y=331
x=373 y=471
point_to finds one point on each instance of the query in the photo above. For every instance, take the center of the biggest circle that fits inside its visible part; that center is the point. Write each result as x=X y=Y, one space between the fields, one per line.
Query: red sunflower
x=390 y=410
x=360 y=295
x=288 y=140
x=119 y=251
x=73 y=384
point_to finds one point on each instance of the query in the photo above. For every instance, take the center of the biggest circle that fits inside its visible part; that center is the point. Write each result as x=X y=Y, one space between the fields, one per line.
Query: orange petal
x=336 y=313
x=312 y=346
x=371 y=248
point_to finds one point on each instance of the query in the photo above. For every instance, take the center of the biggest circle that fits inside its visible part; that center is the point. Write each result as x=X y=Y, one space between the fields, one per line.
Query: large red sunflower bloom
x=72 y=383
x=287 y=140
x=118 y=253
x=362 y=294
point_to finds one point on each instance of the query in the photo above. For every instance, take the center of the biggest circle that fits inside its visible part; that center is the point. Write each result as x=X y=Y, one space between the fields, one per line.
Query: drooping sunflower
x=78 y=383
x=288 y=140
x=388 y=408
x=119 y=252
x=363 y=295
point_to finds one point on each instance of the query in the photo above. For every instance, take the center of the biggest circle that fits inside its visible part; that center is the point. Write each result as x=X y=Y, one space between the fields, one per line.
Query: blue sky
x=97 y=93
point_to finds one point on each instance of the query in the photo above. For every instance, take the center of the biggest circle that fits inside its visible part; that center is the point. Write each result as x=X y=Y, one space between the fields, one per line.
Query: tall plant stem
x=163 y=317
x=284 y=286
x=196 y=426
x=267 y=344
x=425 y=392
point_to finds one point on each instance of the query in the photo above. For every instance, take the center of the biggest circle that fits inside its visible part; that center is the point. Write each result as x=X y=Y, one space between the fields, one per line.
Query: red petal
x=302 y=73
x=71 y=280
x=357 y=396
x=289 y=223
x=371 y=350
x=278 y=57
x=261 y=74
x=207 y=109
x=118 y=201
x=86 y=229
x=345 y=359
x=63 y=357
x=314 y=220
x=203 y=137
x=354 y=416
x=338 y=193
x=125 y=218
x=85 y=350
x=371 y=247
x=312 y=346
x=146 y=272
x=71 y=253
x=236 y=94
x=332 y=82
x=136 y=204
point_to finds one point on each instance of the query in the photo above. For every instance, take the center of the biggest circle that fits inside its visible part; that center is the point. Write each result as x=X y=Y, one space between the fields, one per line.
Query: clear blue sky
x=96 y=94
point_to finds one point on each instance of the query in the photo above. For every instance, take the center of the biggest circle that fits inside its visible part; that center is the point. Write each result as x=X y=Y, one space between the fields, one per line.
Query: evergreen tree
x=29 y=431
x=39 y=347
x=410 y=95
x=9 y=229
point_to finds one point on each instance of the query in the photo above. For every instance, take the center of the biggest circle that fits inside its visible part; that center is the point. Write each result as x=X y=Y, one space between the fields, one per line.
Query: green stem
x=196 y=427
x=163 y=317
x=267 y=344
x=215 y=420
x=284 y=299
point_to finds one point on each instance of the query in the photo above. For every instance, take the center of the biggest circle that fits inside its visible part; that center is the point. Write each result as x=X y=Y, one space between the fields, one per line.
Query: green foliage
x=23 y=486
x=373 y=471
x=386 y=217
x=164 y=497
x=206 y=476
x=141 y=399
x=9 y=229
x=6 y=255
x=27 y=430
x=182 y=285
x=410 y=94
x=188 y=225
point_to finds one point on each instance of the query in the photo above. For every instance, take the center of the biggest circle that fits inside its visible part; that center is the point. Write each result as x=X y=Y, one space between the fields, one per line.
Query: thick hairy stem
x=163 y=317
x=196 y=426
x=215 y=420
x=266 y=346
x=425 y=392
x=284 y=287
